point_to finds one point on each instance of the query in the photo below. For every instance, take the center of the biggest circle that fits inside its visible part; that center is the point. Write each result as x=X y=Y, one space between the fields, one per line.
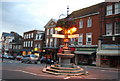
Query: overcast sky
x=21 y=16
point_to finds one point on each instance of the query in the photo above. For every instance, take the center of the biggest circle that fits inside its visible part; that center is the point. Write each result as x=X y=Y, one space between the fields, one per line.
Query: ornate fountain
x=65 y=67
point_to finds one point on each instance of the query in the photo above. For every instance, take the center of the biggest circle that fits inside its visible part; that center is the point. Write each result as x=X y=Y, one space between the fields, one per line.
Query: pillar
x=98 y=60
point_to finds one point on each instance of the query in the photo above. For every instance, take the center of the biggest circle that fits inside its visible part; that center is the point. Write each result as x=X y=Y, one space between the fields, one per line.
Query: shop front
x=85 y=55
x=26 y=51
x=51 y=53
x=109 y=56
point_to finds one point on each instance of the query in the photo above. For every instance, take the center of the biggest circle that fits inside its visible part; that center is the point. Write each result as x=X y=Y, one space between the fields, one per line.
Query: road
x=12 y=69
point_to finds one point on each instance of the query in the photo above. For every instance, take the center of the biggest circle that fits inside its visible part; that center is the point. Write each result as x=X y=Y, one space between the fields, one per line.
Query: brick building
x=51 y=44
x=88 y=28
x=109 y=45
x=33 y=41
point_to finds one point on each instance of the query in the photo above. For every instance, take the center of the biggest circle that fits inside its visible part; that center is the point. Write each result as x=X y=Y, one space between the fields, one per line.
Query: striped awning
x=109 y=52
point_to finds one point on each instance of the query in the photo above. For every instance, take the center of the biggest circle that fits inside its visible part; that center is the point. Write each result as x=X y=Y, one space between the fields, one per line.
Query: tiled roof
x=85 y=11
x=7 y=34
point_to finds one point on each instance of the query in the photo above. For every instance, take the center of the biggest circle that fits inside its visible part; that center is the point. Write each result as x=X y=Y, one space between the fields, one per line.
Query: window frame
x=109 y=10
x=81 y=23
x=117 y=8
x=80 y=41
x=89 y=22
x=118 y=28
x=108 y=29
x=87 y=40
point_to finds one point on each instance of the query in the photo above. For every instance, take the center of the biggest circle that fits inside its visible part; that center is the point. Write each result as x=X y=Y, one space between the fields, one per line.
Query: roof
x=7 y=34
x=51 y=20
x=85 y=11
x=33 y=31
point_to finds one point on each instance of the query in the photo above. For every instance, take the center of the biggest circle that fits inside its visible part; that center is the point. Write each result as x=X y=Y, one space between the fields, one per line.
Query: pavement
x=101 y=68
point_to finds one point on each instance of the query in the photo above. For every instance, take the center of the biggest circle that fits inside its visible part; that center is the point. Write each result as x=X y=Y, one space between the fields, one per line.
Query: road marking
x=66 y=77
x=103 y=70
x=92 y=78
x=26 y=72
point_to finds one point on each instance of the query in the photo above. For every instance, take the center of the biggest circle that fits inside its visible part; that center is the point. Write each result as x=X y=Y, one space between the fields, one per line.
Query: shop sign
x=111 y=46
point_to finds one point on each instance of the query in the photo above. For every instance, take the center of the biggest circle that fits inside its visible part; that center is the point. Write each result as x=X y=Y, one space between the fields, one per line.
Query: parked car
x=19 y=57
x=30 y=58
x=10 y=57
x=5 y=56
x=47 y=61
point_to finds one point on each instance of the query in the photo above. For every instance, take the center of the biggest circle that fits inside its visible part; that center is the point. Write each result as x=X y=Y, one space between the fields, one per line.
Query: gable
x=51 y=23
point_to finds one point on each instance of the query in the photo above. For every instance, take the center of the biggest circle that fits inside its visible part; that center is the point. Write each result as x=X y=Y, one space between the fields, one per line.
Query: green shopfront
x=85 y=55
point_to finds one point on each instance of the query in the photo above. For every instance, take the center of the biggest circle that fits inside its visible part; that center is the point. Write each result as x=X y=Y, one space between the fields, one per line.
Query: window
x=51 y=31
x=117 y=28
x=31 y=35
x=38 y=45
x=89 y=22
x=88 y=38
x=31 y=43
x=47 y=31
x=117 y=8
x=51 y=42
x=109 y=29
x=80 y=39
x=55 y=42
x=40 y=36
x=27 y=36
x=81 y=24
x=24 y=36
x=24 y=44
x=47 y=42
x=36 y=36
x=109 y=10
x=56 y=32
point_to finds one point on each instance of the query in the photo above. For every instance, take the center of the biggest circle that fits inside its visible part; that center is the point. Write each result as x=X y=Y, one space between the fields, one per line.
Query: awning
x=84 y=52
x=109 y=52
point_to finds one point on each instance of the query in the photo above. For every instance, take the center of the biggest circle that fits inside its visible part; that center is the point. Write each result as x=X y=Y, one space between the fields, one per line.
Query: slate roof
x=7 y=34
x=85 y=11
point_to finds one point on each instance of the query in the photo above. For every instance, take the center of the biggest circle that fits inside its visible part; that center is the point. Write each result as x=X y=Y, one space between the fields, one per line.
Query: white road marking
x=27 y=72
x=92 y=78
x=66 y=77
x=103 y=70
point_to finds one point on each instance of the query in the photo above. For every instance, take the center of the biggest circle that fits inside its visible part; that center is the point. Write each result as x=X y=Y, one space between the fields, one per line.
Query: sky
x=25 y=15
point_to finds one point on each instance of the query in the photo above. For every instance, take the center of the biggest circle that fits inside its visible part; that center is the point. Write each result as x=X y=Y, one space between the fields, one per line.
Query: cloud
x=24 y=15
